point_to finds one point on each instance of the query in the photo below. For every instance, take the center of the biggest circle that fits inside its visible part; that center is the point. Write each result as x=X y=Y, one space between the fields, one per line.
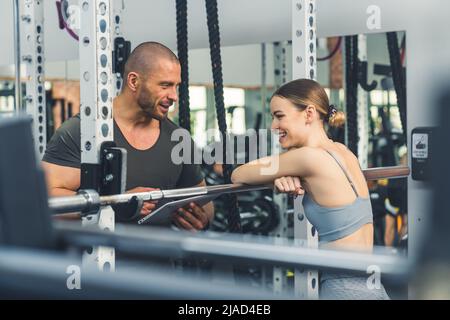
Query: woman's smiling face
x=289 y=122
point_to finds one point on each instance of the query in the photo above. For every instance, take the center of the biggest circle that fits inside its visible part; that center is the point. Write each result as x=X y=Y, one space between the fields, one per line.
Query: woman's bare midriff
x=361 y=240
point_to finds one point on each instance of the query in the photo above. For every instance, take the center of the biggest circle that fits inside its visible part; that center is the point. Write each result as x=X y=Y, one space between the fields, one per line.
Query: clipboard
x=163 y=215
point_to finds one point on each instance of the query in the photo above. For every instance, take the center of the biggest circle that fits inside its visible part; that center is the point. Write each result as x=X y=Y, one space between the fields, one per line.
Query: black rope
x=398 y=77
x=234 y=219
x=351 y=81
x=184 y=118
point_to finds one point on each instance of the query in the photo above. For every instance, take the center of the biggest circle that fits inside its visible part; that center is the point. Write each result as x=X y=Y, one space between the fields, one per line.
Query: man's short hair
x=142 y=58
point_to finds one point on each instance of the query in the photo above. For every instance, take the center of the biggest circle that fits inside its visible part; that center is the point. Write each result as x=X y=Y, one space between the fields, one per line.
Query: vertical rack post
x=363 y=109
x=304 y=65
x=281 y=76
x=17 y=56
x=95 y=47
x=32 y=27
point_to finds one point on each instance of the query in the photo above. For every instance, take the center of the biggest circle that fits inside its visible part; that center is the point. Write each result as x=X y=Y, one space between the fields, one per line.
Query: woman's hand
x=291 y=185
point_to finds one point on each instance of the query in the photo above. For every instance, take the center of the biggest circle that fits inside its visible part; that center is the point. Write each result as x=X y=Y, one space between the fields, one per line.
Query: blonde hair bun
x=337 y=120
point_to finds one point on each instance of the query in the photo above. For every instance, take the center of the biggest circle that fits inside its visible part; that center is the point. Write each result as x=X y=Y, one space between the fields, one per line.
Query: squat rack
x=100 y=127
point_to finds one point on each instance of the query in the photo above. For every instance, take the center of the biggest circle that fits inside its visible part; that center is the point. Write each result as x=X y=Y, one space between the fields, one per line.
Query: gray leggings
x=348 y=287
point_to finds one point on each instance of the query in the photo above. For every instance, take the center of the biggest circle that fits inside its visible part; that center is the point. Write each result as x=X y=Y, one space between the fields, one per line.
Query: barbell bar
x=90 y=200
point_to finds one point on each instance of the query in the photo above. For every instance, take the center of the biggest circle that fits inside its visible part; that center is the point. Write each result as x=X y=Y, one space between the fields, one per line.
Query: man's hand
x=148 y=206
x=192 y=217
x=291 y=185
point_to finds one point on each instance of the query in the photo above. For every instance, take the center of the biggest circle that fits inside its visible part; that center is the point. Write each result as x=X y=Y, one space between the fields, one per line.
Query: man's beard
x=152 y=114
x=149 y=107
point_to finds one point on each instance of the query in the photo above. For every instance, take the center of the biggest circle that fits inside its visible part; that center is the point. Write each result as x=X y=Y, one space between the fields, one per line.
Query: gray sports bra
x=338 y=222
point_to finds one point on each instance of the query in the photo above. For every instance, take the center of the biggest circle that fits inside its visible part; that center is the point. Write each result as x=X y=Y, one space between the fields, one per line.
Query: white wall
x=239 y=24
x=155 y=20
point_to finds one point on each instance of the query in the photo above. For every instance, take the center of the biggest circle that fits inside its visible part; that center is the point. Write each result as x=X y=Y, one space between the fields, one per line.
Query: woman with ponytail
x=336 y=198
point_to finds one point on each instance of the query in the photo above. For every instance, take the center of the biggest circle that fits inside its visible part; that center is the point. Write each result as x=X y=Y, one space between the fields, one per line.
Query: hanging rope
x=184 y=118
x=234 y=220
x=398 y=77
x=351 y=81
